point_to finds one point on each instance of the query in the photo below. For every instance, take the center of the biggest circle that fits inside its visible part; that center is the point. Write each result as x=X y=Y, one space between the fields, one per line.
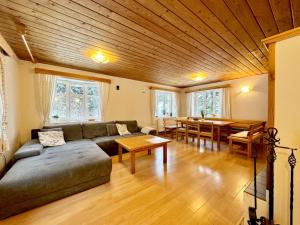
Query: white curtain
x=153 y=106
x=226 y=103
x=176 y=100
x=45 y=89
x=104 y=97
x=189 y=104
x=3 y=110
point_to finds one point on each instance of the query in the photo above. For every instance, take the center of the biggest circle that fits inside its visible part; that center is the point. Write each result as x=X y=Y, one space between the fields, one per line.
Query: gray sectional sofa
x=40 y=175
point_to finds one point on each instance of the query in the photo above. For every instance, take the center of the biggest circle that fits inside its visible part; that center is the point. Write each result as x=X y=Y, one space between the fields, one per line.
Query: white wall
x=287 y=108
x=12 y=91
x=252 y=105
x=131 y=102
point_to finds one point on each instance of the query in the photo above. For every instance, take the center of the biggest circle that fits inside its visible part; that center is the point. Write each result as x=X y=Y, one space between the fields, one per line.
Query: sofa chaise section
x=56 y=173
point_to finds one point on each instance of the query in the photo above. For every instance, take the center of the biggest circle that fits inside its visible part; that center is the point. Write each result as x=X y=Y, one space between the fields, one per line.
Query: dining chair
x=193 y=130
x=207 y=132
x=256 y=132
x=180 y=129
x=169 y=126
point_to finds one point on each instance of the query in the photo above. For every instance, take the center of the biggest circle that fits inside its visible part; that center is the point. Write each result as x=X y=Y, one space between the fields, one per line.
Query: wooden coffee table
x=141 y=143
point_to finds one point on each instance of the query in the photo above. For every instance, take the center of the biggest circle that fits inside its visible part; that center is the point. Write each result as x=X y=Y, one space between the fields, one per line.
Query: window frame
x=197 y=112
x=68 y=95
x=172 y=103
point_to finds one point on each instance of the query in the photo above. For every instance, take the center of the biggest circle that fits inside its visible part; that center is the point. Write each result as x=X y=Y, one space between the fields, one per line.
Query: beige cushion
x=122 y=129
x=51 y=138
x=243 y=134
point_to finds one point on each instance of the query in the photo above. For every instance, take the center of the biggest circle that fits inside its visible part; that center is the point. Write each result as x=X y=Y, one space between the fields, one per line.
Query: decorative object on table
x=202 y=114
x=272 y=141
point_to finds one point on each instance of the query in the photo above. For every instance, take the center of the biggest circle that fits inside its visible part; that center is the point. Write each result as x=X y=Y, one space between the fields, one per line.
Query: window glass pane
x=59 y=105
x=76 y=90
x=93 y=106
x=93 y=90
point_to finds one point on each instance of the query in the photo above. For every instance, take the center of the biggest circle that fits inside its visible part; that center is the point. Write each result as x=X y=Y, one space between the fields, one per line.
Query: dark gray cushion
x=31 y=148
x=92 y=130
x=109 y=145
x=58 y=172
x=72 y=132
x=132 y=125
x=112 y=129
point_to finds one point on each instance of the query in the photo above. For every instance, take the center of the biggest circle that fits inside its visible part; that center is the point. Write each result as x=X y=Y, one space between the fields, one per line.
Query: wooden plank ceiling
x=161 y=41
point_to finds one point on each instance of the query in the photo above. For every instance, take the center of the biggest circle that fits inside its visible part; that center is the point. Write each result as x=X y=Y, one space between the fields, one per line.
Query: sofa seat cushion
x=56 y=169
x=109 y=145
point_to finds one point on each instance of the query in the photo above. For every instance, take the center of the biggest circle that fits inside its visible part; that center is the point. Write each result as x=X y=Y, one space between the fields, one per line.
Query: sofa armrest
x=153 y=131
x=29 y=149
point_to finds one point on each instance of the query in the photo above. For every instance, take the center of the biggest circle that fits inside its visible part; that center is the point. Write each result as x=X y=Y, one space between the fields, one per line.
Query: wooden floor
x=196 y=186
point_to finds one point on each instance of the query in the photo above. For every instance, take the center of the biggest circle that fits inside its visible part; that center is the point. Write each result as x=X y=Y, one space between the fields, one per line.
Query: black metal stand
x=272 y=145
x=292 y=162
x=272 y=140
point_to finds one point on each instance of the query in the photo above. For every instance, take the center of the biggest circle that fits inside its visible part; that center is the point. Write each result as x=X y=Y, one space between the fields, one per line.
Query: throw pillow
x=122 y=129
x=51 y=138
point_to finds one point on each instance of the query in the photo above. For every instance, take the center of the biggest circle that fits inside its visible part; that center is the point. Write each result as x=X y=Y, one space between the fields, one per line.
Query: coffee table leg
x=132 y=158
x=120 y=153
x=149 y=151
x=165 y=153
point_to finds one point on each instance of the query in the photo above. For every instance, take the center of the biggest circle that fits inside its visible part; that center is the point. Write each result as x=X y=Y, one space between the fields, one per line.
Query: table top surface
x=139 y=142
x=215 y=122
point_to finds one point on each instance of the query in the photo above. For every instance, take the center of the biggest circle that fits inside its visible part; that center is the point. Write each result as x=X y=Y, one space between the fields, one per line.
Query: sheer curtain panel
x=226 y=103
x=45 y=84
x=3 y=107
x=104 y=98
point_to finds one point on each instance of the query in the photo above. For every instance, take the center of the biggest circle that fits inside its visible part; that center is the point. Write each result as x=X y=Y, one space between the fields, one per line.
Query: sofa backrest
x=132 y=125
x=72 y=132
x=79 y=131
x=92 y=130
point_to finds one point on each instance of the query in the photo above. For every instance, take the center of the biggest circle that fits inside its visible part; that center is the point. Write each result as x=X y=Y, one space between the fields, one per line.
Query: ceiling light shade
x=99 y=57
x=245 y=89
x=199 y=76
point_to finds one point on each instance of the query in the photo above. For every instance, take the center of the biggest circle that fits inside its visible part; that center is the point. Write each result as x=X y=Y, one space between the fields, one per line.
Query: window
x=75 y=100
x=210 y=102
x=165 y=104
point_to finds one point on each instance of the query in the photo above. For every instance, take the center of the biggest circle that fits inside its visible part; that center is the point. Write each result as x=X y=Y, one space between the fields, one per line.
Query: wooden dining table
x=218 y=124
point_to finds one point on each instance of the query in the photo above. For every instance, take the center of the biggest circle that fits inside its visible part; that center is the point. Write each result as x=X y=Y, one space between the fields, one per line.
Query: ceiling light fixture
x=199 y=76
x=99 y=57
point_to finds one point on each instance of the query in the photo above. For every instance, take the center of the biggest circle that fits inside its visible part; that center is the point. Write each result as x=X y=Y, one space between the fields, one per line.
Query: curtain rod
x=209 y=88
x=71 y=75
x=162 y=89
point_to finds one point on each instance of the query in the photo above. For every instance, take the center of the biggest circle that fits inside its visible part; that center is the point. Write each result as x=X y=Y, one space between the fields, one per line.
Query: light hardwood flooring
x=197 y=186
